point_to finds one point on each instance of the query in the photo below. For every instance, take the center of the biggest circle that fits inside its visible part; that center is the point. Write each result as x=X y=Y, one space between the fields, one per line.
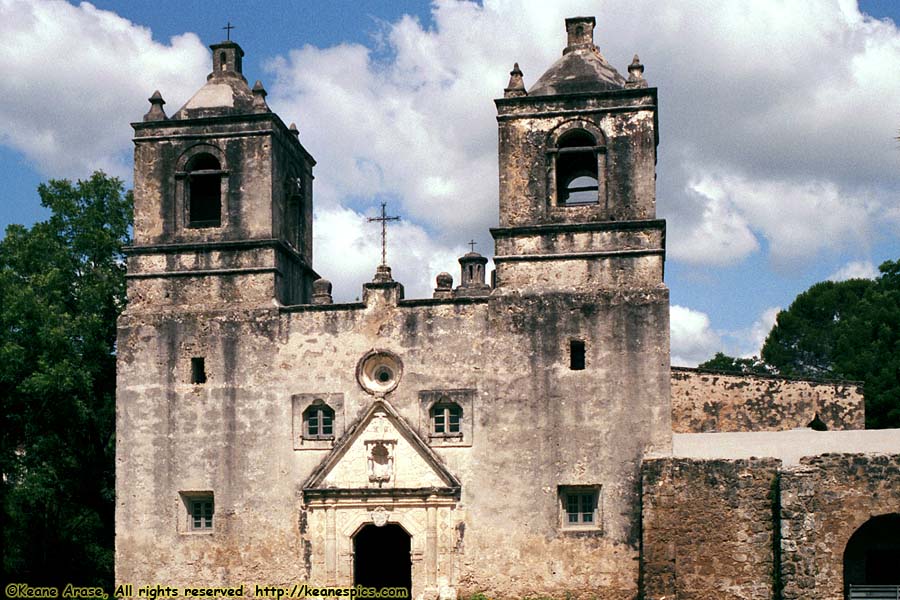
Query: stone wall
x=707 y=401
x=536 y=425
x=708 y=529
x=823 y=502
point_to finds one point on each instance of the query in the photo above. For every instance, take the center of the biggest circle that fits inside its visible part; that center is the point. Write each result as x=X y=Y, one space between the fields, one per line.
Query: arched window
x=293 y=218
x=577 y=179
x=318 y=421
x=204 y=191
x=446 y=419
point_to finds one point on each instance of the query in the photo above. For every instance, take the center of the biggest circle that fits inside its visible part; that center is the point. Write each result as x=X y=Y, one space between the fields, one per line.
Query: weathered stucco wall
x=706 y=401
x=708 y=529
x=536 y=425
x=823 y=502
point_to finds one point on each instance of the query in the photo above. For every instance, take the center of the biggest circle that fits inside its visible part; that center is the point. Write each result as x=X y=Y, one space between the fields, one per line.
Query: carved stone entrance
x=381 y=557
x=381 y=509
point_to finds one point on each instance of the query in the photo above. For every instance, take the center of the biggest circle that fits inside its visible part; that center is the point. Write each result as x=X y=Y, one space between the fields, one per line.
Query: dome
x=582 y=68
x=226 y=91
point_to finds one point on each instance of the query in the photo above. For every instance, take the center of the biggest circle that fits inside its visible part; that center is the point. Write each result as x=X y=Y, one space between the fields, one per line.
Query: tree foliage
x=62 y=285
x=846 y=330
x=741 y=366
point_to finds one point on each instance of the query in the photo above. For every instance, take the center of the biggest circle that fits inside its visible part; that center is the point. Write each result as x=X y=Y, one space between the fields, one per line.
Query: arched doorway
x=381 y=557
x=872 y=555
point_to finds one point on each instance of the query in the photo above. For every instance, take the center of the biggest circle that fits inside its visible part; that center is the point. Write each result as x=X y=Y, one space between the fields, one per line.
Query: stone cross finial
x=228 y=27
x=383 y=219
x=472 y=245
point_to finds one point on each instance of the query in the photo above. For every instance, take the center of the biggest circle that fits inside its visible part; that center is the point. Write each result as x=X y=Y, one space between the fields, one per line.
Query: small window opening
x=198 y=370
x=576 y=355
x=817 y=424
x=223 y=60
x=294 y=221
x=576 y=170
x=205 y=192
x=579 y=506
x=318 y=421
x=446 y=418
x=200 y=510
x=383 y=374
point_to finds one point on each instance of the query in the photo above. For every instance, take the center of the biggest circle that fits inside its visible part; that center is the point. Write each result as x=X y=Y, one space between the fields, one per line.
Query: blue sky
x=777 y=168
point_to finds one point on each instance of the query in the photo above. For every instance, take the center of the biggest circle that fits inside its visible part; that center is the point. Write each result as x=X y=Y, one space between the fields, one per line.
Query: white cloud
x=777 y=120
x=799 y=220
x=694 y=340
x=858 y=269
x=692 y=337
x=74 y=77
x=750 y=342
x=349 y=249
x=772 y=117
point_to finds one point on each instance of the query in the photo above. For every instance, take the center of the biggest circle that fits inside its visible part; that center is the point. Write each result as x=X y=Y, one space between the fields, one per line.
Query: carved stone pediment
x=381 y=455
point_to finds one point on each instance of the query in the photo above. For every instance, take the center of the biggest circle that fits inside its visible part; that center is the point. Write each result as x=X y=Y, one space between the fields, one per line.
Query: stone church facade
x=523 y=436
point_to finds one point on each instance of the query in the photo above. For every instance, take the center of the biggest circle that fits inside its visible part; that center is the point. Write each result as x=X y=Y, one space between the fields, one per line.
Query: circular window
x=379 y=372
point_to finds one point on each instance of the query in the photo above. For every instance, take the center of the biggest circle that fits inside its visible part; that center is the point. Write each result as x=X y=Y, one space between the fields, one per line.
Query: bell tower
x=222 y=199
x=578 y=175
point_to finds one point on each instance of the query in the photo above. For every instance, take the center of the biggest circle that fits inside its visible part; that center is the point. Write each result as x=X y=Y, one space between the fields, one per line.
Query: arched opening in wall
x=577 y=179
x=872 y=559
x=204 y=191
x=381 y=557
x=293 y=221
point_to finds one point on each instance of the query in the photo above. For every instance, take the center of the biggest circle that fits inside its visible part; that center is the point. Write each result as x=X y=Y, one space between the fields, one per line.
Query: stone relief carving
x=380 y=459
x=379 y=516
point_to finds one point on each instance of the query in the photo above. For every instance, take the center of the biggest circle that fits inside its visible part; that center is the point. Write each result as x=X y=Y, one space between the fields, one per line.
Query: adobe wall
x=708 y=529
x=708 y=401
x=824 y=501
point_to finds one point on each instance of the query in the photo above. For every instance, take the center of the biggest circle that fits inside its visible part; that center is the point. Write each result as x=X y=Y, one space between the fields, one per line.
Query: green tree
x=62 y=285
x=846 y=330
x=729 y=364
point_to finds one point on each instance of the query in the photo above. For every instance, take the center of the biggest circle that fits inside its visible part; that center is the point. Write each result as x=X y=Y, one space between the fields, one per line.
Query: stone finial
x=156 y=112
x=227 y=60
x=294 y=131
x=636 y=74
x=382 y=274
x=516 y=87
x=322 y=292
x=444 y=285
x=472 y=283
x=259 y=97
x=579 y=33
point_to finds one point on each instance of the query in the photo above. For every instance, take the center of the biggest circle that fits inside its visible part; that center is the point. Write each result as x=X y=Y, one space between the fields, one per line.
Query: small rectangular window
x=576 y=355
x=200 y=507
x=202 y=514
x=579 y=505
x=198 y=370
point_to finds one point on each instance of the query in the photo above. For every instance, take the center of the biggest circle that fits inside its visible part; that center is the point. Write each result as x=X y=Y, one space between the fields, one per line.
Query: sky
x=778 y=164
